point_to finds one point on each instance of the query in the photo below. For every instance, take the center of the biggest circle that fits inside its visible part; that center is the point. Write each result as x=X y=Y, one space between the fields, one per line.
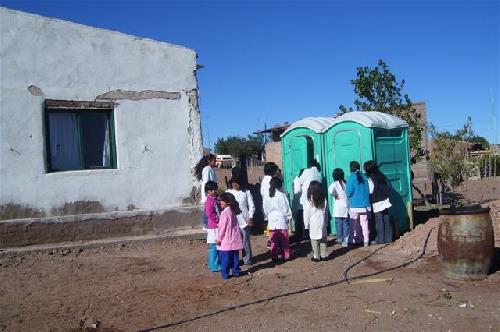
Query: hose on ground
x=303 y=290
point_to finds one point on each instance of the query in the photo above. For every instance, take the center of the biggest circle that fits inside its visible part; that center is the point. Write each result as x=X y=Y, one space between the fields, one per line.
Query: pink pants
x=359 y=219
x=280 y=244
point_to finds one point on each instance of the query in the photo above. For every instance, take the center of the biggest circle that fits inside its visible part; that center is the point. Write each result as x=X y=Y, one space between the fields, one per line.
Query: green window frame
x=79 y=135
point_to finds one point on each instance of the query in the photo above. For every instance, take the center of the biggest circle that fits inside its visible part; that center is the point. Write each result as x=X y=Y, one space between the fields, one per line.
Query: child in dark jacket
x=379 y=192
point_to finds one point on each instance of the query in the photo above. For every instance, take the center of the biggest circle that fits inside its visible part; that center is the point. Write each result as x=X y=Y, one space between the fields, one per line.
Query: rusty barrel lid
x=464 y=209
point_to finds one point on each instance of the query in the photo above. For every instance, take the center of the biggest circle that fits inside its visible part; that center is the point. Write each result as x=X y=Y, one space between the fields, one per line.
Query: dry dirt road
x=165 y=284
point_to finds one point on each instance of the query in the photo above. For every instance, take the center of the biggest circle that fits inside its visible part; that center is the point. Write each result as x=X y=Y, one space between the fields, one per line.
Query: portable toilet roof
x=317 y=124
x=371 y=120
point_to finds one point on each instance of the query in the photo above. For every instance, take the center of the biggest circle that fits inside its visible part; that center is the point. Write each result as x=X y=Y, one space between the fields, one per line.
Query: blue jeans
x=247 y=247
x=229 y=259
x=213 y=258
x=204 y=219
x=383 y=227
x=342 y=227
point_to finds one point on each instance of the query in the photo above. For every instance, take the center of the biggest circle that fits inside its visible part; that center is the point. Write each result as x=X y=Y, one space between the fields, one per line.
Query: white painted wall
x=69 y=61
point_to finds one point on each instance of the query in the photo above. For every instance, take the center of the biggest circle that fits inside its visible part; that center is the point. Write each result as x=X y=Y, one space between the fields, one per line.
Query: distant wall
x=273 y=153
x=421 y=171
x=156 y=117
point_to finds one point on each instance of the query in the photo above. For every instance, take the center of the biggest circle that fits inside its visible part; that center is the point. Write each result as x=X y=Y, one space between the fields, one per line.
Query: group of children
x=228 y=219
x=356 y=200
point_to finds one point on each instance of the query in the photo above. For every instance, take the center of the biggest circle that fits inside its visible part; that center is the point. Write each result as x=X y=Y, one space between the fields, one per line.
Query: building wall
x=157 y=122
x=274 y=154
x=422 y=180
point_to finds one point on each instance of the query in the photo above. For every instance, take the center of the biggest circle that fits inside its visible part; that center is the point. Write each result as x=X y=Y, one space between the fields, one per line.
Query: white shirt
x=277 y=211
x=245 y=201
x=264 y=186
x=310 y=174
x=207 y=174
x=315 y=220
x=340 y=208
x=296 y=185
x=378 y=206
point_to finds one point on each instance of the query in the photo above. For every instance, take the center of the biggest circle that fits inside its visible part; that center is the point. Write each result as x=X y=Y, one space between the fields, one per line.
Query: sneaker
x=366 y=244
x=314 y=259
x=268 y=244
x=344 y=244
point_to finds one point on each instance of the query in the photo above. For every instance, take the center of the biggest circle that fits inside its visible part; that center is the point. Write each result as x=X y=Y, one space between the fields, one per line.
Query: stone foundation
x=24 y=232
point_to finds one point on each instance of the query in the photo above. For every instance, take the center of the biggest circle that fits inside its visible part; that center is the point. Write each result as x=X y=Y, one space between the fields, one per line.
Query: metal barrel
x=466 y=242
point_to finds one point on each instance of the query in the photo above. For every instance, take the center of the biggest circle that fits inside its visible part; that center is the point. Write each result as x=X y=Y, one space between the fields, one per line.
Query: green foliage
x=378 y=90
x=448 y=157
x=468 y=135
x=235 y=145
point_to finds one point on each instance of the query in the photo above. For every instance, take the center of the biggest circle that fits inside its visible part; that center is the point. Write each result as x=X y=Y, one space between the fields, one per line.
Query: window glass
x=80 y=139
x=64 y=146
x=94 y=139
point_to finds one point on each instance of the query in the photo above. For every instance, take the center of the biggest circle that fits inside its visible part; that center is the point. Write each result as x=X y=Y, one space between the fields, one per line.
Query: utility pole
x=494 y=116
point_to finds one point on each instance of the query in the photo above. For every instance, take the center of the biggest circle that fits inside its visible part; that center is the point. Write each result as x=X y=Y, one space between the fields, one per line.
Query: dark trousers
x=298 y=219
x=229 y=259
x=383 y=227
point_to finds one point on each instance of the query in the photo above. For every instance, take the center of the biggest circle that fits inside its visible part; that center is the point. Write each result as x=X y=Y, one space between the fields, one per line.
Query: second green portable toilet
x=363 y=136
x=300 y=143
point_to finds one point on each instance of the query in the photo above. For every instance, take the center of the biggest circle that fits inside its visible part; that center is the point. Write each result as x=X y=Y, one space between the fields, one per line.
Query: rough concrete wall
x=157 y=121
x=24 y=232
x=273 y=153
x=421 y=171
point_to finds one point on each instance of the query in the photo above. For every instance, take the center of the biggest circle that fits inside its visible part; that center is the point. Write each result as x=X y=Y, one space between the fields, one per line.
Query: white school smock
x=264 y=186
x=340 y=208
x=277 y=211
x=296 y=185
x=247 y=207
x=207 y=174
x=310 y=174
x=315 y=221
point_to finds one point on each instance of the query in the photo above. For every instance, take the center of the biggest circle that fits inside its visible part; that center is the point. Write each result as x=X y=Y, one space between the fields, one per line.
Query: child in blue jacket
x=358 y=194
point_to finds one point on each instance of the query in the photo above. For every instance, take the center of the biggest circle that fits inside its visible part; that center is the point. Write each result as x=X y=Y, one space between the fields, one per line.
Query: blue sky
x=267 y=62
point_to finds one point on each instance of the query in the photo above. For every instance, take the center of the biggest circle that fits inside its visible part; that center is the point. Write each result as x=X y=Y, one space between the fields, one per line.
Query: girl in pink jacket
x=229 y=240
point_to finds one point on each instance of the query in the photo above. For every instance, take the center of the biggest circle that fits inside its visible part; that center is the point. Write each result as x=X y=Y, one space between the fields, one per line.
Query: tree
x=378 y=90
x=449 y=155
x=236 y=145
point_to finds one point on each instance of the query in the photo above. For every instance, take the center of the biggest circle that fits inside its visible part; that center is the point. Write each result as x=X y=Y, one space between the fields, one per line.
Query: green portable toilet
x=300 y=143
x=363 y=136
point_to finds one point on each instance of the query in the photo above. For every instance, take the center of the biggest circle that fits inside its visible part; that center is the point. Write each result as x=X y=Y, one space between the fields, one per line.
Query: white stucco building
x=93 y=120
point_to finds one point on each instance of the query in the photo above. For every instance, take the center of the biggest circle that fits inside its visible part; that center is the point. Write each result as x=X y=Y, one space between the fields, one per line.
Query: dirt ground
x=150 y=285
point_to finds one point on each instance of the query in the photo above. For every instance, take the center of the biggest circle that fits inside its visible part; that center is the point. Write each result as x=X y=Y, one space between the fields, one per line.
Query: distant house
x=93 y=120
x=272 y=148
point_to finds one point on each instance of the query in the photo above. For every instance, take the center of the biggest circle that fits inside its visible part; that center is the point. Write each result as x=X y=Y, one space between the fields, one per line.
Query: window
x=79 y=135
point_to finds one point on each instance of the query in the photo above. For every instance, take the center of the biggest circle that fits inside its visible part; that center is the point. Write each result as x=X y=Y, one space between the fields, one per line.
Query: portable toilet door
x=301 y=143
x=363 y=136
x=346 y=140
x=392 y=155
